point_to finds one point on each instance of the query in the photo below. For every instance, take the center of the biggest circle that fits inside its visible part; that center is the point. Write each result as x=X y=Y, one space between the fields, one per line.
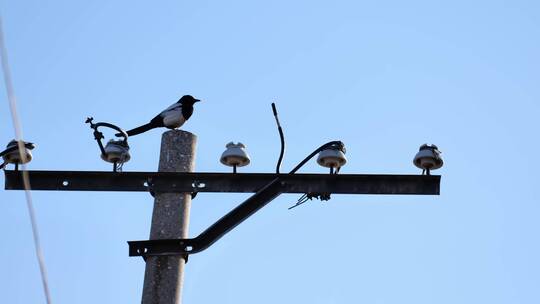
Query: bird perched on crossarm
x=173 y=117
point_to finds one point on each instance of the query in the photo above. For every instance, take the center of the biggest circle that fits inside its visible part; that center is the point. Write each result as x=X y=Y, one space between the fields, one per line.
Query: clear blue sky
x=383 y=76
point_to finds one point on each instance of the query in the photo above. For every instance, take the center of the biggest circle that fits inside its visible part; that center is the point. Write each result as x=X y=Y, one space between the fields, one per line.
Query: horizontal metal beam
x=223 y=182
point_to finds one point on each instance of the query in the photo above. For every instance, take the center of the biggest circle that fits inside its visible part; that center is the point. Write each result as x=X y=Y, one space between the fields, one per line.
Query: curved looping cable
x=333 y=144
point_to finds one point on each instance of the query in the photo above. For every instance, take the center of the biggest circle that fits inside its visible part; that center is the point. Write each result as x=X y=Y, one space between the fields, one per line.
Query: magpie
x=173 y=117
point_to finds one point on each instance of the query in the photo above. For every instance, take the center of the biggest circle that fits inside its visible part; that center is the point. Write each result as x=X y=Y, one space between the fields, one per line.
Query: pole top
x=177 y=151
x=178 y=133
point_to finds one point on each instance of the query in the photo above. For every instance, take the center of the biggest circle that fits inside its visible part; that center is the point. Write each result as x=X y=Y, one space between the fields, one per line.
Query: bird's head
x=188 y=100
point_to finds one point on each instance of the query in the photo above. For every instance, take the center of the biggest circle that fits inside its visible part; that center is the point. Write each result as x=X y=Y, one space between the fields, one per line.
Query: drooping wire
x=26 y=180
x=304 y=198
x=281 y=137
x=309 y=196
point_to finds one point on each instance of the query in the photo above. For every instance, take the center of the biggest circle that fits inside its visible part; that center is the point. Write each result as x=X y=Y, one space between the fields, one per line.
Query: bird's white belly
x=173 y=119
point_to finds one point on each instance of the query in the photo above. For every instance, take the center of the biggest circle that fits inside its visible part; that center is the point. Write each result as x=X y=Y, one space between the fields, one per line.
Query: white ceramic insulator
x=331 y=158
x=235 y=155
x=428 y=159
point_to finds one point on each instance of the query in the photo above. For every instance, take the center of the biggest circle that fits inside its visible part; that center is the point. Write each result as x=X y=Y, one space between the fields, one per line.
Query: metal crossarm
x=224 y=182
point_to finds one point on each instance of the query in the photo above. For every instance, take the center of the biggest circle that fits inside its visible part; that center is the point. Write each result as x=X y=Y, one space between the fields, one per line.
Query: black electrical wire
x=281 y=137
x=333 y=144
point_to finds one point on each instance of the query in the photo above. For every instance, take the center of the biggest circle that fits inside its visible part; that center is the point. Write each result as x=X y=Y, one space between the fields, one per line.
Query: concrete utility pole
x=164 y=275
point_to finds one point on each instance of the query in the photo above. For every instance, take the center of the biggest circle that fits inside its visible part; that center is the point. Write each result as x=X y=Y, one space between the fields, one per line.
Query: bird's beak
x=197 y=100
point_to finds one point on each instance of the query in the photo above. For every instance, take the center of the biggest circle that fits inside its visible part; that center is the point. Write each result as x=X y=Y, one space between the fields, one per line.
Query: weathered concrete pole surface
x=164 y=275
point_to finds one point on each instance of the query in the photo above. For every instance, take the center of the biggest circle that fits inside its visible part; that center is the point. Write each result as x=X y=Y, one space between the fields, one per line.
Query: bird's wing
x=174 y=107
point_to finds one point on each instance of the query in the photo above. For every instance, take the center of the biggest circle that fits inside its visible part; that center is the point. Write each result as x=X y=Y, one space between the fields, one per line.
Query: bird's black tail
x=139 y=130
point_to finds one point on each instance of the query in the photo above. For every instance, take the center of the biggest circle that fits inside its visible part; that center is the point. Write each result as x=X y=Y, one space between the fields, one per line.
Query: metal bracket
x=212 y=233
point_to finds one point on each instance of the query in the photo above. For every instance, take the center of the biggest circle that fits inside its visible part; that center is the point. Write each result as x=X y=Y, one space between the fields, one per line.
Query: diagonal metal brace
x=212 y=233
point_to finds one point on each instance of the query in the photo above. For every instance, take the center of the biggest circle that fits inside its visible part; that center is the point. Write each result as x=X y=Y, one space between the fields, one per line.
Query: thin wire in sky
x=18 y=137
